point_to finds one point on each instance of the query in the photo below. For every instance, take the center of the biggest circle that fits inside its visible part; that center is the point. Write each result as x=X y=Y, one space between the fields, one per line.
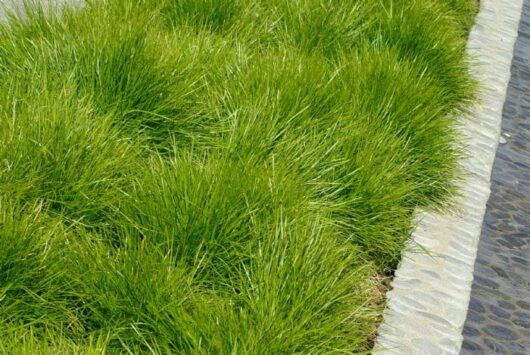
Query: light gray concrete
x=428 y=304
x=498 y=319
x=18 y=6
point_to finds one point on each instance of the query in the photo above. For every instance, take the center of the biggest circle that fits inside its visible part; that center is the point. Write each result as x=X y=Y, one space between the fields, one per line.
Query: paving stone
x=522 y=315
x=499 y=312
x=474 y=317
x=475 y=305
x=505 y=305
x=522 y=323
x=500 y=332
x=518 y=260
x=487 y=282
x=493 y=319
x=493 y=346
x=468 y=345
x=470 y=332
x=523 y=304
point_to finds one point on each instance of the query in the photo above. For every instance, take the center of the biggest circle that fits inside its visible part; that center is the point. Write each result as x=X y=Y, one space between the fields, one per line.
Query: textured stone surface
x=501 y=289
x=17 y=6
x=428 y=304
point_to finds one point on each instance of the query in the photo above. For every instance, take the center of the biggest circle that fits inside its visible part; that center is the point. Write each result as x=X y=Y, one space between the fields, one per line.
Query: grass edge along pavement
x=432 y=292
x=219 y=176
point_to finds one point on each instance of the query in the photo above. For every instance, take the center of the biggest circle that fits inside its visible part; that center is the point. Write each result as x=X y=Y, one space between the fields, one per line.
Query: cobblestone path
x=498 y=320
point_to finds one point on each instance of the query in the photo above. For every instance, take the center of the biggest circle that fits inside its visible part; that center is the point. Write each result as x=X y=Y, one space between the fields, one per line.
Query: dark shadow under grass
x=204 y=176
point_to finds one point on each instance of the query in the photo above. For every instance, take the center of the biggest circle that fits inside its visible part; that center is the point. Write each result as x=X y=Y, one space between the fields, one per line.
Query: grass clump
x=204 y=176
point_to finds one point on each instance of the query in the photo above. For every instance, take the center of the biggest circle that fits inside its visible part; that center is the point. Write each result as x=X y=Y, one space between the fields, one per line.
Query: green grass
x=219 y=176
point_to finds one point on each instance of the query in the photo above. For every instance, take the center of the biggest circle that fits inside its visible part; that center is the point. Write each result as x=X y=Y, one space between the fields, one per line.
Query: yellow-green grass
x=219 y=176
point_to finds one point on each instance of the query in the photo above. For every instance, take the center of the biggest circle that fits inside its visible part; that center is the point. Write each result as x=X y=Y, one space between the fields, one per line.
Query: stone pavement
x=428 y=303
x=498 y=320
x=18 y=6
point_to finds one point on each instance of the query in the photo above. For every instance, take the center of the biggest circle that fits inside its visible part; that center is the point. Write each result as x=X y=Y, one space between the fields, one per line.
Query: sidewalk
x=498 y=320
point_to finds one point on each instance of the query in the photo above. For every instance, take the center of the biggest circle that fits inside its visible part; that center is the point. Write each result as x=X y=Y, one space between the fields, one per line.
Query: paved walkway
x=498 y=320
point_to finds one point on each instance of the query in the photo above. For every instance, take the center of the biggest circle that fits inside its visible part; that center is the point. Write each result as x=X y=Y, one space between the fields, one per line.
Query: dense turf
x=219 y=176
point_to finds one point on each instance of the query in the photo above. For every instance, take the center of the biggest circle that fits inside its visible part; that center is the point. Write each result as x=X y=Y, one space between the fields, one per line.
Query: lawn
x=220 y=176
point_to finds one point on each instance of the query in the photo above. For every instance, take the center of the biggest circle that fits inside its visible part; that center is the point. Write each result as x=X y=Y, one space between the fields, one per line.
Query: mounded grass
x=219 y=176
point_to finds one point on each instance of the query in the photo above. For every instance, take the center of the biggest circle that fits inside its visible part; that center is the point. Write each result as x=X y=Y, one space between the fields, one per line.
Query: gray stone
x=500 y=332
x=522 y=323
x=470 y=332
x=522 y=315
x=493 y=346
x=506 y=305
x=471 y=346
x=499 y=312
x=523 y=305
x=476 y=306
x=475 y=316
